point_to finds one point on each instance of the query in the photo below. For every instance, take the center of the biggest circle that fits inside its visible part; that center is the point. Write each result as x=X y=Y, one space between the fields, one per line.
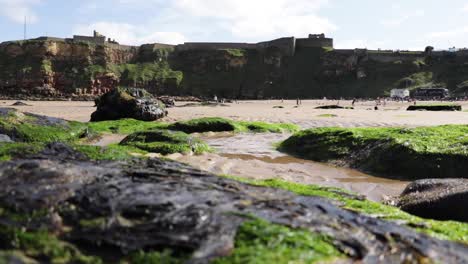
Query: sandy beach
x=392 y=114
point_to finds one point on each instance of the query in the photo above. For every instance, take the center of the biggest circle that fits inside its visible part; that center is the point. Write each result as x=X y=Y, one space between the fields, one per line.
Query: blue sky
x=398 y=24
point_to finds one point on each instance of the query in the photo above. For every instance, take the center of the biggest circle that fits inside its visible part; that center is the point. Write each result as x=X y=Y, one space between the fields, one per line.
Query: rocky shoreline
x=65 y=202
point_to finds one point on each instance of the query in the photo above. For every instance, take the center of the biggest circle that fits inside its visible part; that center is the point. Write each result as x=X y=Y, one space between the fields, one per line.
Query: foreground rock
x=441 y=199
x=128 y=103
x=157 y=204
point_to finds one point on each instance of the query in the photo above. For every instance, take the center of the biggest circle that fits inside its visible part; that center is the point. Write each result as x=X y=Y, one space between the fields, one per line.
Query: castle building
x=97 y=38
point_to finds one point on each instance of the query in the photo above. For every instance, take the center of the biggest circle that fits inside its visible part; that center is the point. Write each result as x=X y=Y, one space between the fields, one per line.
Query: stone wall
x=213 y=46
x=314 y=42
x=100 y=40
x=286 y=45
x=384 y=56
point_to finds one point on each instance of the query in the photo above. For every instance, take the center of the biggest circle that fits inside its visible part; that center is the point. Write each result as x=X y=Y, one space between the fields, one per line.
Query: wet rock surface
x=5 y=138
x=128 y=103
x=154 y=204
x=441 y=199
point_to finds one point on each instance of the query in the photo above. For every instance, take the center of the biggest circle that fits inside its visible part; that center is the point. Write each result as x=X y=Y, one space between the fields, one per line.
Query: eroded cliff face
x=53 y=68
x=70 y=69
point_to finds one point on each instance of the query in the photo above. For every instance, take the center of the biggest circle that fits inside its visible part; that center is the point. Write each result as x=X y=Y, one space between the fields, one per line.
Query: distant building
x=97 y=38
x=400 y=93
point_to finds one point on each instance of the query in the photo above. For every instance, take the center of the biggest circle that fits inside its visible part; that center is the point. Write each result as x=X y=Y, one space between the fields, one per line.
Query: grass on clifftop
x=447 y=230
x=411 y=153
x=217 y=124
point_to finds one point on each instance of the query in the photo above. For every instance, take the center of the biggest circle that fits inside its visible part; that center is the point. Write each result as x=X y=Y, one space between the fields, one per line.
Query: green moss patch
x=111 y=152
x=447 y=230
x=327 y=115
x=124 y=126
x=217 y=124
x=44 y=246
x=258 y=241
x=411 y=153
x=11 y=150
x=435 y=107
x=165 y=142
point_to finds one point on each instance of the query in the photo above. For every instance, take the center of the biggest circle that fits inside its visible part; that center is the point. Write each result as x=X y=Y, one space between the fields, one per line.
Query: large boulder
x=128 y=103
x=441 y=199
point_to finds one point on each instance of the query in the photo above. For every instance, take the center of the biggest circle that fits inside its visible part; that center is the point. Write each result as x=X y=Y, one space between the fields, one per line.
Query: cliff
x=51 y=68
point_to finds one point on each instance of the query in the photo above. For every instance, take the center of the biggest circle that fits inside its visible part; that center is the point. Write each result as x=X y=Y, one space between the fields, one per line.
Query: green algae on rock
x=165 y=142
x=25 y=127
x=218 y=124
x=448 y=230
x=410 y=153
x=124 y=126
x=281 y=244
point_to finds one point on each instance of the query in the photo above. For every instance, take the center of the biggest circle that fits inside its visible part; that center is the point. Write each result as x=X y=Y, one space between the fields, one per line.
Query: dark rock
x=153 y=203
x=19 y=103
x=168 y=101
x=447 y=107
x=128 y=103
x=441 y=199
x=333 y=107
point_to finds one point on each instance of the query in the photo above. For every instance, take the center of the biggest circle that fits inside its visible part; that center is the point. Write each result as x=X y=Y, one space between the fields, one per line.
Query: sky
x=372 y=24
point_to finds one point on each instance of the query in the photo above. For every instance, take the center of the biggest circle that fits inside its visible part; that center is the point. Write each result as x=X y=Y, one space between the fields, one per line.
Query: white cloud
x=401 y=19
x=465 y=8
x=129 y=34
x=261 y=18
x=360 y=43
x=449 y=33
x=224 y=20
x=17 y=10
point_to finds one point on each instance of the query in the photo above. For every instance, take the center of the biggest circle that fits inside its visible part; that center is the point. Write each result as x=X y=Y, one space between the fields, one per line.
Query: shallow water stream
x=254 y=156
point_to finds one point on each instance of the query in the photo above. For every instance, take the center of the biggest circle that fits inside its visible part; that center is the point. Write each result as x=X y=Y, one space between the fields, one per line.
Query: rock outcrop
x=149 y=204
x=441 y=199
x=128 y=103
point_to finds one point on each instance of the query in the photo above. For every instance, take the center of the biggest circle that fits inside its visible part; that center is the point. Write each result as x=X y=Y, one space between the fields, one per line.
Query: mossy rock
x=416 y=153
x=165 y=142
x=435 y=107
x=128 y=103
x=210 y=124
x=217 y=124
x=25 y=127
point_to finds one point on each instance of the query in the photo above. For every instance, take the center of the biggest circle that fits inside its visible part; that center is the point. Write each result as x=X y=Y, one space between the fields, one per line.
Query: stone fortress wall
x=287 y=45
